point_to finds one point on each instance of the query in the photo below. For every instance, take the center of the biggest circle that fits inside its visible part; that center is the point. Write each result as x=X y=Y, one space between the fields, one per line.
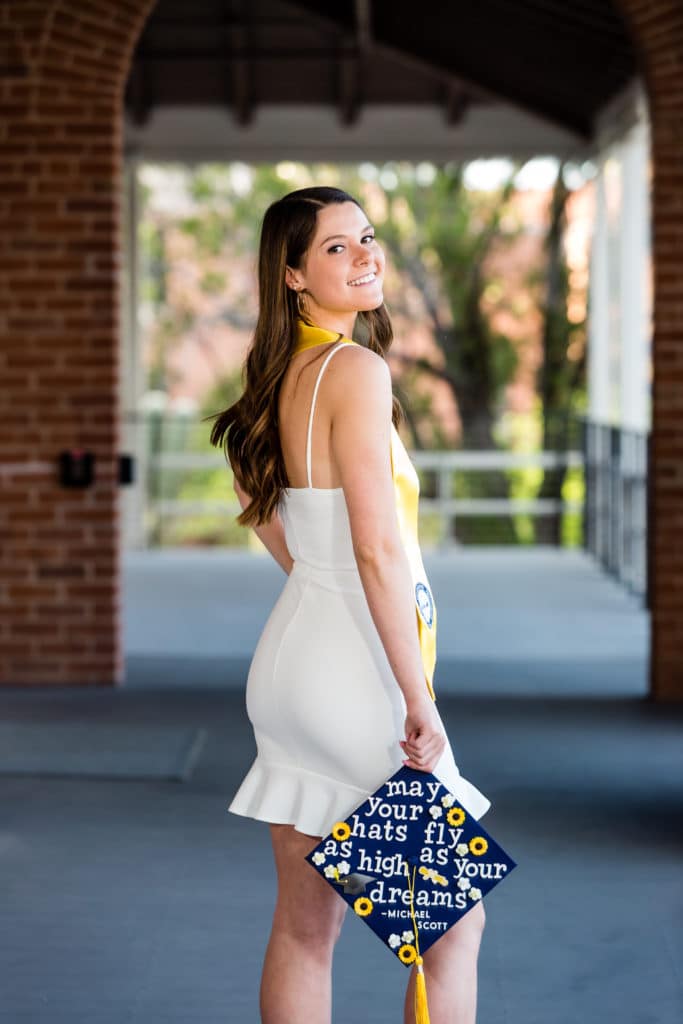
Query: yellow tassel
x=420 y=1002
x=421 y=1007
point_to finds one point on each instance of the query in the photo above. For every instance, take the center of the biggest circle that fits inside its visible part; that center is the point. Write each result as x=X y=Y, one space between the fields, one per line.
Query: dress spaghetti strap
x=310 y=417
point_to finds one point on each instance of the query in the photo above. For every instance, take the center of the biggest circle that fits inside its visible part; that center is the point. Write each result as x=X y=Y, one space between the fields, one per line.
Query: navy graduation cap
x=411 y=861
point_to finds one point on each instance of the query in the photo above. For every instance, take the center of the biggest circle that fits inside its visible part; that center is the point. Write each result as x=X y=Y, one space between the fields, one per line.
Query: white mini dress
x=321 y=696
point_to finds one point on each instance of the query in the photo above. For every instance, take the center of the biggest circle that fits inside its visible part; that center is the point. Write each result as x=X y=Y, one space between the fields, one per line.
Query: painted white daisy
x=435 y=811
x=464 y=883
x=474 y=892
x=318 y=858
x=408 y=936
x=343 y=868
x=448 y=800
x=330 y=871
x=462 y=849
x=394 y=941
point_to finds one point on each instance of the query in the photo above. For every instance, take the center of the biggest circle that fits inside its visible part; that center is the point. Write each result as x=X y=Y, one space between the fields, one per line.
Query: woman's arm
x=361 y=405
x=272 y=533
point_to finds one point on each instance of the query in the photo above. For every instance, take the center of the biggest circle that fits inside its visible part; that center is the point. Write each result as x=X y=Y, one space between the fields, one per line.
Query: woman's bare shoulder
x=361 y=372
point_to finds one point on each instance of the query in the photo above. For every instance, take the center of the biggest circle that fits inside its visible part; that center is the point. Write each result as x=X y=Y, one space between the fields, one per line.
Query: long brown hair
x=248 y=430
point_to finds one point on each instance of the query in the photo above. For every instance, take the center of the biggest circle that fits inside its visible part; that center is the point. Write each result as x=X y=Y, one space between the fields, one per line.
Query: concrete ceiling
x=263 y=79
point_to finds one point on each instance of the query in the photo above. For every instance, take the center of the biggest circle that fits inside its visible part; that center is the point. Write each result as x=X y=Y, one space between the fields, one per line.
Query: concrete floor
x=147 y=903
x=529 y=622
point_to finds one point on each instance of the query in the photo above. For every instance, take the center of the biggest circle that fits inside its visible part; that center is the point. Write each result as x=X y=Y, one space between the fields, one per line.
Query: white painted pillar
x=599 y=308
x=634 y=281
x=132 y=441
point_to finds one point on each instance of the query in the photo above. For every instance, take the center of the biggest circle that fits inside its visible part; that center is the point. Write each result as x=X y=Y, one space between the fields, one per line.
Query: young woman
x=338 y=689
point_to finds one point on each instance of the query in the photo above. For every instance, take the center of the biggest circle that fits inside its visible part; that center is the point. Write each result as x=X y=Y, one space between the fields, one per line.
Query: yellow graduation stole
x=407 y=491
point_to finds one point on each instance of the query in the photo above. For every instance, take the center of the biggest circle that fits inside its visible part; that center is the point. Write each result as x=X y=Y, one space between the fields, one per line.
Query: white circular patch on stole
x=425 y=603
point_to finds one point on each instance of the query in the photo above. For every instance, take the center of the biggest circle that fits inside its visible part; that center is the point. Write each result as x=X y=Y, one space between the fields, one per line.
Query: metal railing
x=612 y=464
x=616 y=505
x=442 y=465
x=162 y=442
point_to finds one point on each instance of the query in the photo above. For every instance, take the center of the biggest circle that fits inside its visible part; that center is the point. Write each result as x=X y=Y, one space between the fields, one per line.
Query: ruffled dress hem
x=281 y=795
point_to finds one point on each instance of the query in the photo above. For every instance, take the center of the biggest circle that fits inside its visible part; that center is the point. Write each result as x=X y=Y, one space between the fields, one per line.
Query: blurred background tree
x=449 y=250
x=561 y=380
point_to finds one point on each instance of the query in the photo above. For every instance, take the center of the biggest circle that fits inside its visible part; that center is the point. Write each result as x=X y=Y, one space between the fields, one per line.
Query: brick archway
x=61 y=88
x=61 y=82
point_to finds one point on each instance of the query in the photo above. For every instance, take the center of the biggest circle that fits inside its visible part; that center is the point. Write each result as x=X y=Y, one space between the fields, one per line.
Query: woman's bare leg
x=296 y=984
x=450 y=967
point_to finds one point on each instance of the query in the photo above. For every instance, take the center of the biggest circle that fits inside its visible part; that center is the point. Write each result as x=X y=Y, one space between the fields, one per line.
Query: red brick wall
x=63 y=66
x=657 y=29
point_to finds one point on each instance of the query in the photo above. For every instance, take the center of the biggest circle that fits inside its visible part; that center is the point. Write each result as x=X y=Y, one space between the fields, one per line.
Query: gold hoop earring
x=298 y=304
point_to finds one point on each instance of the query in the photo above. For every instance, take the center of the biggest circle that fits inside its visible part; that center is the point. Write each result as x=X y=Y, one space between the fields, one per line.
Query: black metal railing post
x=617 y=502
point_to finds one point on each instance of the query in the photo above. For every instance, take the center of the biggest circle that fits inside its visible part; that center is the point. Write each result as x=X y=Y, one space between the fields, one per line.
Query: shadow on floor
x=129 y=902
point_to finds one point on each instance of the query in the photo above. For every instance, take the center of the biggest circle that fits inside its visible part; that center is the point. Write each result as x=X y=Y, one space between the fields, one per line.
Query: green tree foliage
x=440 y=235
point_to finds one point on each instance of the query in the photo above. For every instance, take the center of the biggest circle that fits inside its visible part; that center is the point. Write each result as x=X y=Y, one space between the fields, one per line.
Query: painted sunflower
x=478 y=845
x=363 y=906
x=455 y=816
x=407 y=954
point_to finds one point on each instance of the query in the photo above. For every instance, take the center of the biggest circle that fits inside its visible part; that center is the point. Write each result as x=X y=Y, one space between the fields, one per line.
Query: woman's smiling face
x=343 y=270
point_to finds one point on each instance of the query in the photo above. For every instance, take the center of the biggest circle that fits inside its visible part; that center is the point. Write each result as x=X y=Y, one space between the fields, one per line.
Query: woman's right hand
x=425 y=739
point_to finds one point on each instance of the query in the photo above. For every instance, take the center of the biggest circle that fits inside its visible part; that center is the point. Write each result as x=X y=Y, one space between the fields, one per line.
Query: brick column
x=657 y=30
x=62 y=72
